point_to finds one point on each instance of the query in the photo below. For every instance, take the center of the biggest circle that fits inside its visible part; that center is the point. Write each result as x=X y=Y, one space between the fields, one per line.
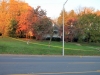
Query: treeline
x=18 y=19
x=83 y=25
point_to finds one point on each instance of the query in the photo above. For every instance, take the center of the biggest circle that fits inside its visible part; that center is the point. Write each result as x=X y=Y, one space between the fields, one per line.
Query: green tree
x=13 y=28
x=89 y=27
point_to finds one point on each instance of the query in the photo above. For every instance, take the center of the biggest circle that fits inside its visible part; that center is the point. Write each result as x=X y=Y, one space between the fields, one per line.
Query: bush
x=54 y=39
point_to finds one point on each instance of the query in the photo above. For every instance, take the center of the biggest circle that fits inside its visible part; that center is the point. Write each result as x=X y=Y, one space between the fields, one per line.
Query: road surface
x=49 y=65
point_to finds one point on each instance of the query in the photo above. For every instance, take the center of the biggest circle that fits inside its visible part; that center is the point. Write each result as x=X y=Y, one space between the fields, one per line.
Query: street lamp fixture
x=63 y=26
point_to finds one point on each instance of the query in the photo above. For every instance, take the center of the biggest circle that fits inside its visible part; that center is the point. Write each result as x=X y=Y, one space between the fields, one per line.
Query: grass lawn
x=19 y=46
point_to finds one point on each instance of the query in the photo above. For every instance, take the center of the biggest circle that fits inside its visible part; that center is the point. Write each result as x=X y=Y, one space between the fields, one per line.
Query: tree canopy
x=17 y=18
x=83 y=26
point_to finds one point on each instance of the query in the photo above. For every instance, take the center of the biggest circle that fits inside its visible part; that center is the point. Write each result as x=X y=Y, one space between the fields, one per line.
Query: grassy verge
x=20 y=46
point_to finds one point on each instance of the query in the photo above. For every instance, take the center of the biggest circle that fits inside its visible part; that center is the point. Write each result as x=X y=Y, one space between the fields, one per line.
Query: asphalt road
x=49 y=65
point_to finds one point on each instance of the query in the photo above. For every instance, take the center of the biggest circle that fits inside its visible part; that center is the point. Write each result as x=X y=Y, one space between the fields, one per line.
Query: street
x=49 y=65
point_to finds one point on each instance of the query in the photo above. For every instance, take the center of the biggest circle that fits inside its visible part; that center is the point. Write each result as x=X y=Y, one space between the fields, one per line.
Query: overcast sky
x=54 y=7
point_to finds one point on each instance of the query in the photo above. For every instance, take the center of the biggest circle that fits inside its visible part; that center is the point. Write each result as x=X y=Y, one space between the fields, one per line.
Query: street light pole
x=63 y=27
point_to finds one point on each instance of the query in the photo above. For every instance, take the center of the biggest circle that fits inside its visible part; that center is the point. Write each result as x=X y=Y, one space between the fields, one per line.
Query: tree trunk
x=50 y=39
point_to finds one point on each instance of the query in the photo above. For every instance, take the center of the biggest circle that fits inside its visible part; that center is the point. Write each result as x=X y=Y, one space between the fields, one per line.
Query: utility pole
x=63 y=27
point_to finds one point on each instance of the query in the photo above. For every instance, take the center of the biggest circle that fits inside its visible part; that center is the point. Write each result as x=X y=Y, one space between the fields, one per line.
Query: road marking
x=49 y=62
x=98 y=70
x=22 y=74
x=83 y=62
x=59 y=73
x=22 y=58
x=71 y=72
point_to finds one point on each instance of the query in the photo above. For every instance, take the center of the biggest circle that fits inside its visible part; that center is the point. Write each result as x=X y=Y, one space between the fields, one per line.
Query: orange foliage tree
x=25 y=22
x=3 y=17
x=10 y=10
x=18 y=17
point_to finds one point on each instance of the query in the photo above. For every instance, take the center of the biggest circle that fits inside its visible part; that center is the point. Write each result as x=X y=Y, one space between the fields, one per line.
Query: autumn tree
x=16 y=8
x=70 y=26
x=42 y=27
x=69 y=21
x=70 y=29
x=97 y=12
x=60 y=18
x=3 y=17
x=85 y=10
x=26 y=20
x=10 y=10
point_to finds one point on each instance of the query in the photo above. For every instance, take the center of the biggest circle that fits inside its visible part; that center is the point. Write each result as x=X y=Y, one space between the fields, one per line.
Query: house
x=55 y=35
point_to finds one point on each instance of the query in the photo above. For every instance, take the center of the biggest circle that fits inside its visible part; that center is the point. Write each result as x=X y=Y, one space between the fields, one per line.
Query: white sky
x=54 y=7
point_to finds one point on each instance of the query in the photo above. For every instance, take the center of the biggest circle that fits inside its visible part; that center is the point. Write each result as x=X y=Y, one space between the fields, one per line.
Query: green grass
x=19 y=46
